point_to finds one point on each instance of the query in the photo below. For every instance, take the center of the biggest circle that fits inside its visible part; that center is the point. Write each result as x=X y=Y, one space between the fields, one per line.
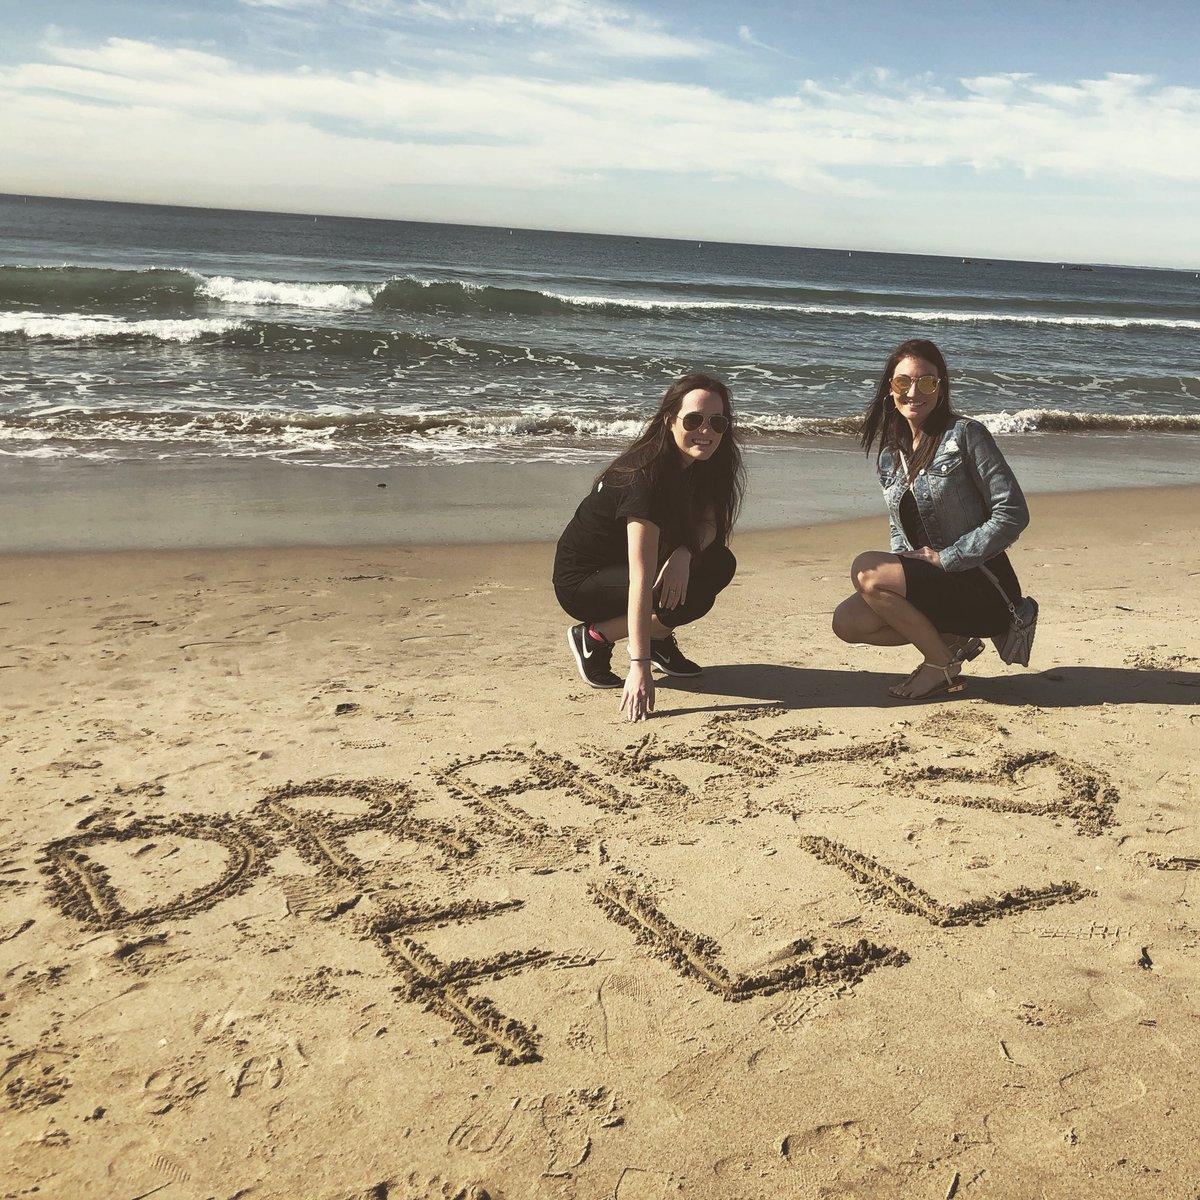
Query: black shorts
x=962 y=602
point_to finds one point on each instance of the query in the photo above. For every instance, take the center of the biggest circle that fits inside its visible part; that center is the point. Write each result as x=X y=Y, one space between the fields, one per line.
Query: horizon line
x=975 y=259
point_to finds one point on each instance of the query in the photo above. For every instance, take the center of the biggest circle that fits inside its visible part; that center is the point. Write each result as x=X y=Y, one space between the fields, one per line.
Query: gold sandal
x=952 y=683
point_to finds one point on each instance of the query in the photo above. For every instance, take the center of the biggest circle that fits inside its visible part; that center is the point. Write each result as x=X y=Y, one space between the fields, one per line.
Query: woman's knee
x=860 y=571
x=873 y=571
x=841 y=627
x=720 y=566
x=848 y=619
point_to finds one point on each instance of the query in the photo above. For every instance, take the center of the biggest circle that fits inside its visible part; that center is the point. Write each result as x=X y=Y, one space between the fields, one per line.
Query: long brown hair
x=883 y=422
x=717 y=485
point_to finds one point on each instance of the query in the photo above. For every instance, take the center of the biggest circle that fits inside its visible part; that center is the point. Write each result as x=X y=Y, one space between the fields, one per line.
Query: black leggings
x=606 y=593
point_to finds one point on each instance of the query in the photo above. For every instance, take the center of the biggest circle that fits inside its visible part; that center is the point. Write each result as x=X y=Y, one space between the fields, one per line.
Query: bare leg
x=879 y=584
x=854 y=620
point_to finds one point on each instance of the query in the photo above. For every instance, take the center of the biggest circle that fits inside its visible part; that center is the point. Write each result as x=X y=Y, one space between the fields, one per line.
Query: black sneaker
x=593 y=658
x=666 y=655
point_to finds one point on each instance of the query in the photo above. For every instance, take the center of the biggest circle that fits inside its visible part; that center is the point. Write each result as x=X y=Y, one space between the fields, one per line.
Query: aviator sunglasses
x=926 y=384
x=692 y=421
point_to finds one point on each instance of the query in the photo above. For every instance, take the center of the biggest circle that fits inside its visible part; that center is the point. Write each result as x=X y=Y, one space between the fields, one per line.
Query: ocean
x=135 y=333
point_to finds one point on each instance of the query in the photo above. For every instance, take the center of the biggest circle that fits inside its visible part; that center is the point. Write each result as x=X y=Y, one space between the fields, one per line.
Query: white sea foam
x=82 y=327
x=1025 y=421
x=327 y=296
x=950 y=316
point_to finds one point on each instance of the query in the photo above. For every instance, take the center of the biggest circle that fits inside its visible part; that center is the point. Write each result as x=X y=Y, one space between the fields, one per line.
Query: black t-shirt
x=597 y=535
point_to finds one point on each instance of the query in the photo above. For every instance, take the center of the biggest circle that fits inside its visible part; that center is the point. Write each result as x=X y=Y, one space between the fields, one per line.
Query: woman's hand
x=637 y=700
x=925 y=554
x=672 y=580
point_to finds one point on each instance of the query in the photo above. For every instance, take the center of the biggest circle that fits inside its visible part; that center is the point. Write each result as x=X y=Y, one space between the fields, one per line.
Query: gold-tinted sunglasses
x=926 y=384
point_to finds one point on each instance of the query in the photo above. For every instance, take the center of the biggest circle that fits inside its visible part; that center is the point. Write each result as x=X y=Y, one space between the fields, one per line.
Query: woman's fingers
x=637 y=700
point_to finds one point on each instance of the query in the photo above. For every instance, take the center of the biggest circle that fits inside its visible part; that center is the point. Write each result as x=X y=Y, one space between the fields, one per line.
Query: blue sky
x=1058 y=130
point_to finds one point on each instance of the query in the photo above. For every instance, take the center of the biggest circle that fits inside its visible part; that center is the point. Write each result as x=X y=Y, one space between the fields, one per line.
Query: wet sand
x=220 y=503
x=325 y=876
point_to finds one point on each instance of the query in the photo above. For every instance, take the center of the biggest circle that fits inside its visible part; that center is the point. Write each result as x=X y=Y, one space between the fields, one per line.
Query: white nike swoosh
x=583 y=643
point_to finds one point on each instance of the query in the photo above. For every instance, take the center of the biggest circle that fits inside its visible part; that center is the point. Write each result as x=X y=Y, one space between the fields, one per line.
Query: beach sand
x=325 y=877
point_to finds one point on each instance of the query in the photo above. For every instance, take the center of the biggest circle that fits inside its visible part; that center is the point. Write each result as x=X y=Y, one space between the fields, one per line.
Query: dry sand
x=325 y=877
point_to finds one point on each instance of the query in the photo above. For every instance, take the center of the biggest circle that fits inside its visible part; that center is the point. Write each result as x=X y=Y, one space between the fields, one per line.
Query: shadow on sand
x=811 y=688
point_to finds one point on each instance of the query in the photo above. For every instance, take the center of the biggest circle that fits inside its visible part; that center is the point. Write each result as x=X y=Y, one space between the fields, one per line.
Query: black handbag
x=1015 y=644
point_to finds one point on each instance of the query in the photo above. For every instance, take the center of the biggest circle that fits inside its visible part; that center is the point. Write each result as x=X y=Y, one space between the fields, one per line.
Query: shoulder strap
x=1012 y=608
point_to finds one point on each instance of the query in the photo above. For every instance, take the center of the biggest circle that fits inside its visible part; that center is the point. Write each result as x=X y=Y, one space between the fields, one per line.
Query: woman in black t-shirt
x=647 y=548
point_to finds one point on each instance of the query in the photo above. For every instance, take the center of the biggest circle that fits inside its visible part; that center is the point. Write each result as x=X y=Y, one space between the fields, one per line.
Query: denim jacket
x=969 y=499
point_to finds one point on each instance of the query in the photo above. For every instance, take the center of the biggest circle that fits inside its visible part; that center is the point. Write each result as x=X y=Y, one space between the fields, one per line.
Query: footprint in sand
x=801 y=1006
x=825 y=1151
x=316 y=895
x=641 y=1183
x=636 y=1016
x=694 y=1083
x=835 y=1159
x=826 y=1160
x=209 y=1026
x=1114 y=1003
x=171 y=1167
x=1101 y=1088
x=168 y=1088
x=567 y=1122
x=144 y=1165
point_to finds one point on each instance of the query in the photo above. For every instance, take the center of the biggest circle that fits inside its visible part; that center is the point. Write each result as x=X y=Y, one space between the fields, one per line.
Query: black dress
x=961 y=602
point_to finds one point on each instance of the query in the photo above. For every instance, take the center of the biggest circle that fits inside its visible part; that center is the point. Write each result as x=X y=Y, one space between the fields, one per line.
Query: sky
x=1061 y=130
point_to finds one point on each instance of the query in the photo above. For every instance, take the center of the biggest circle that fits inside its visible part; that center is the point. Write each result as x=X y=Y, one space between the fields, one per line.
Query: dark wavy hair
x=883 y=422
x=717 y=485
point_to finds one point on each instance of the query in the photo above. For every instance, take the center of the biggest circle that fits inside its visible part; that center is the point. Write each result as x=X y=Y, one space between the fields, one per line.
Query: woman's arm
x=675 y=572
x=637 y=700
x=1008 y=514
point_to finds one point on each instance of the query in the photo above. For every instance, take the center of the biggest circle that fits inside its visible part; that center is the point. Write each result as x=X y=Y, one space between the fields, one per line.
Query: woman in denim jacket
x=954 y=507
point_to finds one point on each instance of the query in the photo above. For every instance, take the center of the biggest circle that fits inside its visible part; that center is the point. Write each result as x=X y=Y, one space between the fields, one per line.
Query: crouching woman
x=955 y=507
x=647 y=549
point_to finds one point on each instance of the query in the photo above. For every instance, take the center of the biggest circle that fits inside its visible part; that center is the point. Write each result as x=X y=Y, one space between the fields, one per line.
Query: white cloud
x=589 y=27
x=746 y=34
x=816 y=138
x=615 y=32
x=288 y=5
x=131 y=119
